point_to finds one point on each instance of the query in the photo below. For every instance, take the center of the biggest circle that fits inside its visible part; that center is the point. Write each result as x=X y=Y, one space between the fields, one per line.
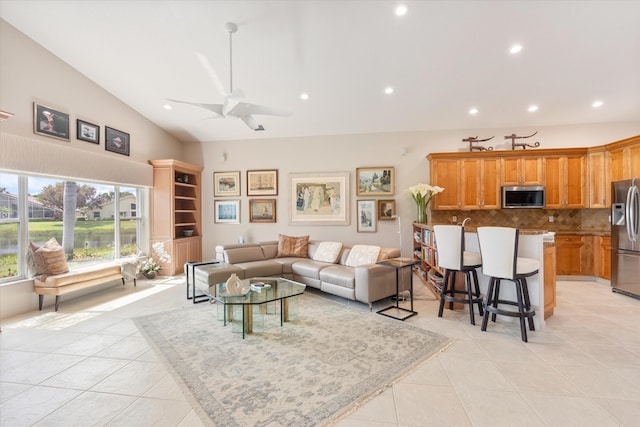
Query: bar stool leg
x=478 y=294
x=527 y=302
x=523 y=328
x=468 y=285
x=445 y=284
x=485 y=316
x=496 y=298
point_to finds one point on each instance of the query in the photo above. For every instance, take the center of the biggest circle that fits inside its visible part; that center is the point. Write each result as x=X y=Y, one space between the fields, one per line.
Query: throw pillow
x=53 y=257
x=38 y=260
x=328 y=252
x=293 y=246
x=362 y=255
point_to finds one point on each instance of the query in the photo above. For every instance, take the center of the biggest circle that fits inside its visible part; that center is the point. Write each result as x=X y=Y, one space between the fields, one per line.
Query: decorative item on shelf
x=524 y=145
x=187 y=233
x=151 y=266
x=422 y=195
x=474 y=140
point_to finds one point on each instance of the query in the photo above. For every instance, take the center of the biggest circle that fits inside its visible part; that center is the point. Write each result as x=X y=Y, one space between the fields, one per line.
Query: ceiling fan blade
x=241 y=109
x=252 y=123
x=216 y=108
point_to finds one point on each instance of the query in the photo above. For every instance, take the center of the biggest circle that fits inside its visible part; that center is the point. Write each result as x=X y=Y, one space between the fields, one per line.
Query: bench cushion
x=77 y=279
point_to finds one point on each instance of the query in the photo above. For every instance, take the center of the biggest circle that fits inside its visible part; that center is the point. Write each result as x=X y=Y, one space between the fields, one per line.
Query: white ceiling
x=442 y=58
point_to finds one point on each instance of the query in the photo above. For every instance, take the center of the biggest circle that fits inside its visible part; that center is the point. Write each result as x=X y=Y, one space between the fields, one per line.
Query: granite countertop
x=525 y=231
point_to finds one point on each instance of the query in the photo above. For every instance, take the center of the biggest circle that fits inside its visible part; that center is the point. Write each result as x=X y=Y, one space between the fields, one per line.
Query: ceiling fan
x=233 y=106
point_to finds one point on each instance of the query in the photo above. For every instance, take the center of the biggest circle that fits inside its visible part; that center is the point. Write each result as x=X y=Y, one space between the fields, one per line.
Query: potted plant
x=151 y=266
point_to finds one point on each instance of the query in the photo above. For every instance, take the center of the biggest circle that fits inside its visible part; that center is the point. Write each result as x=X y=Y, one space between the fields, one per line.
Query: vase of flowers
x=422 y=195
x=151 y=266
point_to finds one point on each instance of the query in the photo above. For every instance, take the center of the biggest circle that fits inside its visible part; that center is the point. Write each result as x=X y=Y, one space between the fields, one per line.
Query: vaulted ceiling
x=442 y=59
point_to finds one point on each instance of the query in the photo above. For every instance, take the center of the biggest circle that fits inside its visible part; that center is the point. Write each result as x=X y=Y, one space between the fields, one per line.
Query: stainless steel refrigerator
x=625 y=237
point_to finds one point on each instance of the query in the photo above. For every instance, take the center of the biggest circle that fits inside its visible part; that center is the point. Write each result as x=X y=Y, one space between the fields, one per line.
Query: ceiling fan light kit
x=233 y=106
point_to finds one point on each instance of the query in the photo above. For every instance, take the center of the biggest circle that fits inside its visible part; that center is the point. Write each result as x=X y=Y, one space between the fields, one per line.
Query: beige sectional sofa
x=344 y=277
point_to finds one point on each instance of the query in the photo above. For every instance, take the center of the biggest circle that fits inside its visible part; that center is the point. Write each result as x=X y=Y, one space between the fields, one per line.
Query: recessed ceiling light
x=304 y=96
x=473 y=111
x=515 y=49
x=388 y=90
x=401 y=10
x=597 y=104
x=167 y=107
x=532 y=108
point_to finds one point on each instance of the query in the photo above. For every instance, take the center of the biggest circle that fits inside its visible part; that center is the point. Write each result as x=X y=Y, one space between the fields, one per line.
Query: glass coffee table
x=257 y=291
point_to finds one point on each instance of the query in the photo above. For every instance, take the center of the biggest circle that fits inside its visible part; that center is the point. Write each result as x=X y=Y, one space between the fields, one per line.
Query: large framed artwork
x=262 y=210
x=319 y=198
x=226 y=184
x=377 y=181
x=116 y=141
x=227 y=211
x=50 y=122
x=262 y=182
x=86 y=131
x=367 y=216
x=386 y=210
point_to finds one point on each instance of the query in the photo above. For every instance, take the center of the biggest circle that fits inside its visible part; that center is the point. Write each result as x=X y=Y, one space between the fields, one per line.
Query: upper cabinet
x=565 y=181
x=522 y=170
x=446 y=174
x=625 y=158
x=598 y=161
x=480 y=179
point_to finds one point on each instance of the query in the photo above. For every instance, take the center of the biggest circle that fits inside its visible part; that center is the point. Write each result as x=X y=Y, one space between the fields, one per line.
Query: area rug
x=329 y=359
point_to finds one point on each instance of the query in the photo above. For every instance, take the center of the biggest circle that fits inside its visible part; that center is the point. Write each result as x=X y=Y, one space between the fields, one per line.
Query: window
x=79 y=215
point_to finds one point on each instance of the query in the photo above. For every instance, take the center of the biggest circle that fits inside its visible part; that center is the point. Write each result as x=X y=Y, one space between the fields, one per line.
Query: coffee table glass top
x=259 y=290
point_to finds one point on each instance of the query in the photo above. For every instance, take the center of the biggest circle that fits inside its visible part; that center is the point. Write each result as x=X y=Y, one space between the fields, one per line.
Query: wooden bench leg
x=57 y=302
x=40 y=300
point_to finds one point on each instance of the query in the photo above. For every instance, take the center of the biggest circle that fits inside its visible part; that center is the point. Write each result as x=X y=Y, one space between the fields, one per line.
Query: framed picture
x=319 y=198
x=86 y=131
x=262 y=210
x=367 y=216
x=375 y=181
x=116 y=141
x=50 y=122
x=227 y=211
x=386 y=210
x=262 y=182
x=226 y=184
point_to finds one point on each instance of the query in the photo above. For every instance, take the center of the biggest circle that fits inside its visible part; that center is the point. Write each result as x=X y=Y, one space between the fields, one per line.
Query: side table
x=399 y=264
x=189 y=272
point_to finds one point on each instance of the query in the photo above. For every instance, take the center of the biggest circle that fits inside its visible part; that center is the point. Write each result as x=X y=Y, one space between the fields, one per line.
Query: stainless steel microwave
x=523 y=197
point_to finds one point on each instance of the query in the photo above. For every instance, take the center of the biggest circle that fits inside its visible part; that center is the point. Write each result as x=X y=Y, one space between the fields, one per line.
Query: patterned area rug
x=307 y=373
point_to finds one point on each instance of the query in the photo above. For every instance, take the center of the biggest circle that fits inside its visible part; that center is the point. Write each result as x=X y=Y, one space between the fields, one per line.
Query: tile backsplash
x=534 y=219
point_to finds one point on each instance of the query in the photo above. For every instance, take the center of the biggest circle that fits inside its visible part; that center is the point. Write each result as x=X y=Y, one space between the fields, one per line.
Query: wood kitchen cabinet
x=625 y=158
x=480 y=183
x=549 y=260
x=523 y=170
x=598 y=163
x=446 y=174
x=574 y=255
x=602 y=257
x=565 y=181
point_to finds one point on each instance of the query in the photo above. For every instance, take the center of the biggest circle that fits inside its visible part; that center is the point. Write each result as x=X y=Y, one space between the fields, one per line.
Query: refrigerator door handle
x=630 y=214
x=635 y=212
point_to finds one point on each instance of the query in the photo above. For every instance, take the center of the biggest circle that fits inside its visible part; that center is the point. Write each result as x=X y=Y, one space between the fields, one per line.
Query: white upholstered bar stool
x=453 y=258
x=500 y=261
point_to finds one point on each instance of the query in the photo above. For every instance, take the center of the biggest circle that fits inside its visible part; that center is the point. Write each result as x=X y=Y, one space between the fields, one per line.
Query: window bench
x=84 y=277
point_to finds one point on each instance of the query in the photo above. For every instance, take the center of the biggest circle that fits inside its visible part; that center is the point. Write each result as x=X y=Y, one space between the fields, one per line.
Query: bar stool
x=500 y=261
x=453 y=258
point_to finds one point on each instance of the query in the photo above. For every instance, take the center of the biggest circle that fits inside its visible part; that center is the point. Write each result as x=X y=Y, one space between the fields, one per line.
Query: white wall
x=348 y=152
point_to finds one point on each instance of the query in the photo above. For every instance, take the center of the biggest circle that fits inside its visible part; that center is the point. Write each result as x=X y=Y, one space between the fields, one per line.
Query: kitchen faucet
x=465 y=221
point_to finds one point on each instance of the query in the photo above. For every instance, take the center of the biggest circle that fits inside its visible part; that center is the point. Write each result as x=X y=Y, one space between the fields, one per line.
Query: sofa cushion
x=328 y=252
x=339 y=275
x=362 y=255
x=247 y=253
x=49 y=258
x=293 y=246
x=260 y=268
x=309 y=268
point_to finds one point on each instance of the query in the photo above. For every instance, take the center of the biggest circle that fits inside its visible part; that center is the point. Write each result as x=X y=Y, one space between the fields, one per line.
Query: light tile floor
x=87 y=364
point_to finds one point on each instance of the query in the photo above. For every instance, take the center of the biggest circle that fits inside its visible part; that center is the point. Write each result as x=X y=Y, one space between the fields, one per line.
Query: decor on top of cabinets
x=262 y=182
x=50 y=122
x=386 y=210
x=367 y=216
x=377 y=181
x=226 y=184
x=319 y=198
x=422 y=195
x=474 y=140
x=86 y=131
x=262 y=210
x=524 y=145
x=116 y=141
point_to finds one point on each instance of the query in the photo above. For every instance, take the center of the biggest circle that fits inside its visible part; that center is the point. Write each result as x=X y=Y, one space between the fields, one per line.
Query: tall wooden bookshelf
x=176 y=208
x=426 y=251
